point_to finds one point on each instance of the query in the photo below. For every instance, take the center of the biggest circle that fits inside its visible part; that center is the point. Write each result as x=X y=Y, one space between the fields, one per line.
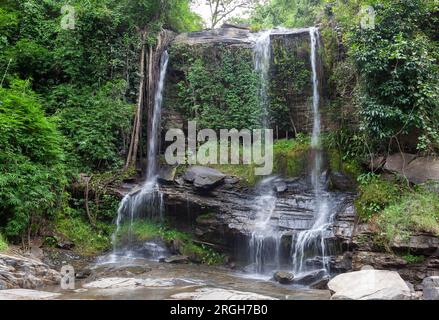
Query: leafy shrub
x=219 y=89
x=291 y=156
x=87 y=239
x=411 y=259
x=97 y=126
x=32 y=174
x=375 y=195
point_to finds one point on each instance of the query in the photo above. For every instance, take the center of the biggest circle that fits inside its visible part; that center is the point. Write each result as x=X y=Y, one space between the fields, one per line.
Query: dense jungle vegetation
x=67 y=101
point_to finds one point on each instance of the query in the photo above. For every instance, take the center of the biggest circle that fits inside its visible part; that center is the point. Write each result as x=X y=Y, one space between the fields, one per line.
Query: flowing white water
x=264 y=243
x=311 y=243
x=262 y=56
x=265 y=239
x=147 y=201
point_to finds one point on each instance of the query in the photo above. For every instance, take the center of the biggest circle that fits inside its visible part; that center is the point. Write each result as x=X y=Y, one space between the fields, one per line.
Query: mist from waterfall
x=310 y=244
x=146 y=202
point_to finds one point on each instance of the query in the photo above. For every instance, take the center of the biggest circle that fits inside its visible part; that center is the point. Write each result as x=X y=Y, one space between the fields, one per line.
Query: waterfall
x=264 y=242
x=156 y=117
x=262 y=56
x=148 y=200
x=311 y=243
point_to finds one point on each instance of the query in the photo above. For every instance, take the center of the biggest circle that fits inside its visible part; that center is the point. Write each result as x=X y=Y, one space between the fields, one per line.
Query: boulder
x=430 y=287
x=417 y=170
x=204 y=178
x=369 y=285
x=423 y=169
x=231 y=180
x=398 y=162
x=321 y=284
x=280 y=186
x=27 y=273
x=283 y=277
x=167 y=174
x=310 y=278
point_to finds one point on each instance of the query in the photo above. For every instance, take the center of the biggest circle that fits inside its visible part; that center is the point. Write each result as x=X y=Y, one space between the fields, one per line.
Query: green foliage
x=416 y=211
x=411 y=259
x=32 y=174
x=3 y=244
x=219 y=89
x=375 y=194
x=397 y=66
x=88 y=240
x=291 y=156
x=286 y=13
x=86 y=80
x=97 y=126
x=290 y=81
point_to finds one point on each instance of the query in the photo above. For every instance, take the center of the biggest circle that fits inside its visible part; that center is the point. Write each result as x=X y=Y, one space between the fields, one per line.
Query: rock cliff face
x=290 y=64
x=225 y=216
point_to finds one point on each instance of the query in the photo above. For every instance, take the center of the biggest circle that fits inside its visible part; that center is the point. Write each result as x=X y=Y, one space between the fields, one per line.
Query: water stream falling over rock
x=310 y=243
x=147 y=201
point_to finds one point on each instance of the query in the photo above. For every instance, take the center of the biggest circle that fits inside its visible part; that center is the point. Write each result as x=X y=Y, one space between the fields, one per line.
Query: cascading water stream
x=311 y=243
x=262 y=56
x=147 y=201
x=264 y=242
x=265 y=239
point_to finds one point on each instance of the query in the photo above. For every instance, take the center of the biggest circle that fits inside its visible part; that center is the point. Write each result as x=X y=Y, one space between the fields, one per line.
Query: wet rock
x=167 y=174
x=430 y=288
x=321 y=284
x=203 y=177
x=369 y=285
x=220 y=294
x=342 y=182
x=65 y=245
x=280 y=186
x=310 y=278
x=27 y=294
x=27 y=273
x=231 y=180
x=176 y=259
x=283 y=277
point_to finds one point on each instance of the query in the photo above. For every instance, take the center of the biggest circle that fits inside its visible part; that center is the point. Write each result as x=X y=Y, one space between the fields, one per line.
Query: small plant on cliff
x=411 y=259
